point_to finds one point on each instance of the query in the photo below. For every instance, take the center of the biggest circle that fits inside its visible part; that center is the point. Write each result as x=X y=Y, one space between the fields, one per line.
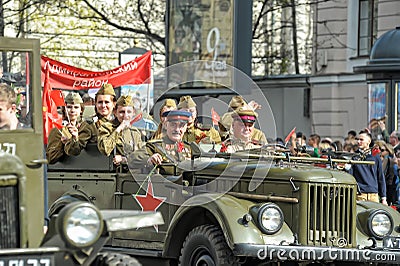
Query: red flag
x=215 y=117
x=58 y=97
x=290 y=135
x=51 y=118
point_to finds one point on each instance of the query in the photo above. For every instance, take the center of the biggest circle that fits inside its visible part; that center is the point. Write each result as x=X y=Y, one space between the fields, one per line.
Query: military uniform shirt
x=194 y=134
x=56 y=150
x=87 y=132
x=125 y=142
x=233 y=145
x=171 y=151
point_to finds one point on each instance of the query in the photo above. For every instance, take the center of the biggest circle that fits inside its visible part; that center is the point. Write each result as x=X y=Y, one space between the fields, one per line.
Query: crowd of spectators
x=383 y=148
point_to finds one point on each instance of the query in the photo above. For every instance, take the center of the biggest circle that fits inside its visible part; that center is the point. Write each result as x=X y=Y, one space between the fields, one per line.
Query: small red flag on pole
x=290 y=135
x=215 y=117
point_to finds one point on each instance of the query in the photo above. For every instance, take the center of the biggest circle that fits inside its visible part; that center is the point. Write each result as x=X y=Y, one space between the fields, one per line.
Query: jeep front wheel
x=114 y=259
x=206 y=245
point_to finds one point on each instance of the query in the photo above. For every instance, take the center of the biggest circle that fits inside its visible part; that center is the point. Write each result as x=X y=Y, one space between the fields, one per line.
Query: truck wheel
x=114 y=259
x=206 y=245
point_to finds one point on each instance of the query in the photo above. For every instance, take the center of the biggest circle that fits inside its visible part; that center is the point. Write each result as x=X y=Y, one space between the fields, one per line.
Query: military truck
x=255 y=207
x=77 y=232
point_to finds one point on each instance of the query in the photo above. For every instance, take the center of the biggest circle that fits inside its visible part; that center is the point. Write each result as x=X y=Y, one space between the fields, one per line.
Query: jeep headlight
x=380 y=223
x=80 y=224
x=270 y=218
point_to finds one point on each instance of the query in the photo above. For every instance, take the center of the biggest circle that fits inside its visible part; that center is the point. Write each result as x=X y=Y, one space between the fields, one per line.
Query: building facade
x=333 y=99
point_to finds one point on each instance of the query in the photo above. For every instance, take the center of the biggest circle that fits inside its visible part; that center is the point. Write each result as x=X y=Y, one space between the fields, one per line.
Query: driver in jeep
x=171 y=148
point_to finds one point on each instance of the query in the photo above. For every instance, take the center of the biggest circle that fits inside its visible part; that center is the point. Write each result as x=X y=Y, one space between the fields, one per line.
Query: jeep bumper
x=310 y=253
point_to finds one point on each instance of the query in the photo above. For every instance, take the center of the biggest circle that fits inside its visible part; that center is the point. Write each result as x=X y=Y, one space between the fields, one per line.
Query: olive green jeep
x=76 y=233
x=254 y=207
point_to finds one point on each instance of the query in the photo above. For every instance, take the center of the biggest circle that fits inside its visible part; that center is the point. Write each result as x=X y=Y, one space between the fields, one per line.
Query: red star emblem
x=149 y=202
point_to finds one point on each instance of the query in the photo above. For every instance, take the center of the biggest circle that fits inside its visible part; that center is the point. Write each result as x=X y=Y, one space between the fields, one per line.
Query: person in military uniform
x=168 y=105
x=66 y=141
x=119 y=135
x=170 y=148
x=226 y=119
x=105 y=100
x=240 y=137
x=193 y=133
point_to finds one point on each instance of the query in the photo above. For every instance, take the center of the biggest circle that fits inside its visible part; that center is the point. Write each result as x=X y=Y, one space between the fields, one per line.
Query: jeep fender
x=363 y=239
x=224 y=210
x=65 y=199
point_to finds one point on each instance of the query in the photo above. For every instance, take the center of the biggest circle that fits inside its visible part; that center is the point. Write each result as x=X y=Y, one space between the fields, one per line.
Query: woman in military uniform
x=119 y=134
x=105 y=100
x=193 y=133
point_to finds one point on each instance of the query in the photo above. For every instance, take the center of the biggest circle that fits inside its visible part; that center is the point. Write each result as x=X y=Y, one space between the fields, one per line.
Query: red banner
x=63 y=76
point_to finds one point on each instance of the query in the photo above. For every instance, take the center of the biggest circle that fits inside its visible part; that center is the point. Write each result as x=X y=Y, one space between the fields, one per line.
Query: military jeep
x=254 y=207
x=77 y=232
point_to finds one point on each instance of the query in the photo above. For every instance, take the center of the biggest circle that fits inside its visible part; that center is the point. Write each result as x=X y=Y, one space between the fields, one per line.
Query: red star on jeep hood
x=149 y=202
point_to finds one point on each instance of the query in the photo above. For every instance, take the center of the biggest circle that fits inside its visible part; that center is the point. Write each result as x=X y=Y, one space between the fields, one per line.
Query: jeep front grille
x=9 y=217
x=330 y=215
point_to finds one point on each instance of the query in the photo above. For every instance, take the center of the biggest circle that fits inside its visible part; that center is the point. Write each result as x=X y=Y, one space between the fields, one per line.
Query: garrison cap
x=236 y=102
x=186 y=102
x=177 y=115
x=106 y=89
x=168 y=103
x=73 y=98
x=248 y=116
x=125 y=100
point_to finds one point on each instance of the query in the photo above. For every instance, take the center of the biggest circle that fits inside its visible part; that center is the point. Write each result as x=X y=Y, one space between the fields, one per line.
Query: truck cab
x=77 y=232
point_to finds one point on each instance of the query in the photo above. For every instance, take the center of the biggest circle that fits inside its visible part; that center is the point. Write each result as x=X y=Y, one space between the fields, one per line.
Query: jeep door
x=20 y=61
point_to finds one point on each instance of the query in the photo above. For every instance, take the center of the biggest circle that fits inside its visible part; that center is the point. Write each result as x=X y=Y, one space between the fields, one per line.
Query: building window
x=367 y=29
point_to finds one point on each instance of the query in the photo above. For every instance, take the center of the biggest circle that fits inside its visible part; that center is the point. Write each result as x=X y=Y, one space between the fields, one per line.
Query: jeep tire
x=114 y=259
x=206 y=245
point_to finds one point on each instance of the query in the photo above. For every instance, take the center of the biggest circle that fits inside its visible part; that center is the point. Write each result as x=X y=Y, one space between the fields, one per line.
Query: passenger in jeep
x=193 y=133
x=119 y=136
x=171 y=147
x=8 y=118
x=67 y=140
x=168 y=105
x=226 y=119
x=240 y=136
x=105 y=100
